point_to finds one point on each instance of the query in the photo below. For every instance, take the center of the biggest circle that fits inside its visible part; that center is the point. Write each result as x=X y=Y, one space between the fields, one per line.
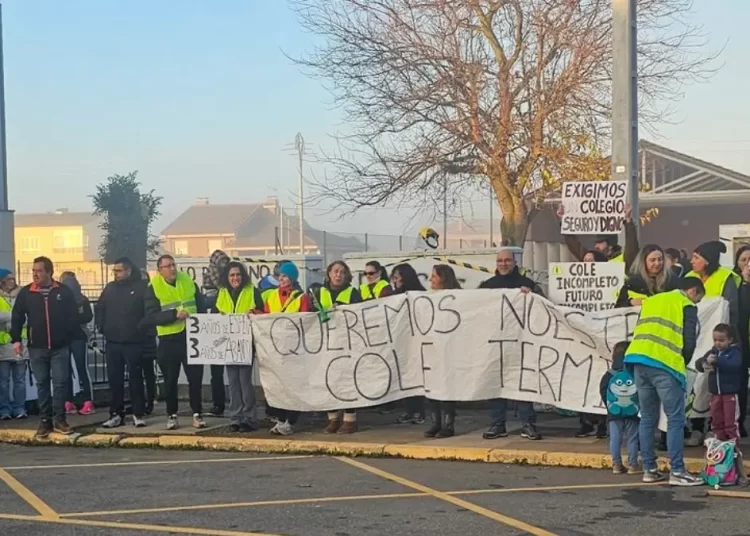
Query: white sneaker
x=139 y=422
x=113 y=422
x=198 y=421
x=695 y=439
x=172 y=423
x=283 y=428
x=684 y=479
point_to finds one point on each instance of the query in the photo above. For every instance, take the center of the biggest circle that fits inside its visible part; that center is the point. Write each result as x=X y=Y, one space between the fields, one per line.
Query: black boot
x=448 y=426
x=433 y=430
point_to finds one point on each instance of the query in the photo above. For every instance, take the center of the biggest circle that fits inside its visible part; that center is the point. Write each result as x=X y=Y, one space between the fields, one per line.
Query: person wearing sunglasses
x=376 y=283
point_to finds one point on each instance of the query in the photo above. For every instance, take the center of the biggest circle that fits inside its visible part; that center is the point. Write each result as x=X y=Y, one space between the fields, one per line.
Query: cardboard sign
x=593 y=207
x=591 y=286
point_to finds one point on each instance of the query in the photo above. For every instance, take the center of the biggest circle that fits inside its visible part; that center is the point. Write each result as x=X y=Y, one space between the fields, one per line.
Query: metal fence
x=334 y=245
x=92 y=275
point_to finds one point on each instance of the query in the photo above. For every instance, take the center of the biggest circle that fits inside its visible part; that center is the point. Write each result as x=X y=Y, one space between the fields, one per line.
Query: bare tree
x=441 y=96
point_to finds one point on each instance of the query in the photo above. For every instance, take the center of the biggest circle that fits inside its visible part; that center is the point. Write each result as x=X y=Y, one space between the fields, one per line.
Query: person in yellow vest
x=237 y=295
x=663 y=344
x=607 y=244
x=719 y=281
x=12 y=367
x=285 y=299
x=169 y=301
x=338 y=290
x=270 y=282
x=376 y=283
x=648 y=276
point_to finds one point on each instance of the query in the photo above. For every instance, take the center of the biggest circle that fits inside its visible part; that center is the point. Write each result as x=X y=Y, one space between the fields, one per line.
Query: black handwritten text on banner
x=214 y=339
x=593 y=207
x=448 y=345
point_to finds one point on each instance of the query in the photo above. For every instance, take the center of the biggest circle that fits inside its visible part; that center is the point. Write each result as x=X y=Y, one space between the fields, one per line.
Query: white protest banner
x=460 y=345
x=590 y=286
x=593 y=207
x=214 y=339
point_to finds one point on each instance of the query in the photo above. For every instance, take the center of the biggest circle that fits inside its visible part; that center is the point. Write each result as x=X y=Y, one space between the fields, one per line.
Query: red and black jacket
x=52 y=320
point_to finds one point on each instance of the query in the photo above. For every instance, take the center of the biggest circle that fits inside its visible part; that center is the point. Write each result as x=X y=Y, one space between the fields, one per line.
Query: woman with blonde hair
x=648 y=276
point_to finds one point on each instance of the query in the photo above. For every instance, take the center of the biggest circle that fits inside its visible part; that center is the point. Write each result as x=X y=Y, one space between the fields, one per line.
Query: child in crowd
x=723 y=363
x=619 y=393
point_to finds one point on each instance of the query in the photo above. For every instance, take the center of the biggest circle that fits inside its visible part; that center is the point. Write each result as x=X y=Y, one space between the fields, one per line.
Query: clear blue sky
x=197 y=95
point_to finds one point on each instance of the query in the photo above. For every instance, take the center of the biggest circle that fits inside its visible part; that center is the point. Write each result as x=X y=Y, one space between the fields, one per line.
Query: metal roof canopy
x=676 y=179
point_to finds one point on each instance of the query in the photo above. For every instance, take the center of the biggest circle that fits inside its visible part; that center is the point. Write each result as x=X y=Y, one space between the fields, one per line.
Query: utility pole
x=625 y=99
x=492 y=223
x=299 y=144
x=7 y=249
x=444 y=241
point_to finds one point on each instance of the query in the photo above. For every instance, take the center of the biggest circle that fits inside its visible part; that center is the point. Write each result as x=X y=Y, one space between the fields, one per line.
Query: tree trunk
x=514 y=229
x=515 y=219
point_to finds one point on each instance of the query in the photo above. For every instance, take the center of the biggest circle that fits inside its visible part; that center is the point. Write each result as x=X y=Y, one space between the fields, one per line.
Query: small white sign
x=593 y=207
x=591 y=286
x=214 y=339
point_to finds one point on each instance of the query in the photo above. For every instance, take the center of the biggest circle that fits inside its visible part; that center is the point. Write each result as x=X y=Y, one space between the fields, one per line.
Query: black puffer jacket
x=52 y=320
x=120 y=310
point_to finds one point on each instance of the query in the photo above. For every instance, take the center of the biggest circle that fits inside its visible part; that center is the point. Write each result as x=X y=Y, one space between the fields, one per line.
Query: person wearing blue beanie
x=4 y=272
x=285 y=299
x=290 y=270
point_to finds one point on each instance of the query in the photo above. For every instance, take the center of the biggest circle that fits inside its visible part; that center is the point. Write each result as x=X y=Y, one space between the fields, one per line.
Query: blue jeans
x=14 y=370
x=499 y=412
x=626 y=429
x=654 y=386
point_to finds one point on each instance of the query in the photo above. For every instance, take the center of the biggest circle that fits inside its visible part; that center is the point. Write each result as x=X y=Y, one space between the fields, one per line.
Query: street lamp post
x=299 y=144
x=625 y=99
x=7 y=249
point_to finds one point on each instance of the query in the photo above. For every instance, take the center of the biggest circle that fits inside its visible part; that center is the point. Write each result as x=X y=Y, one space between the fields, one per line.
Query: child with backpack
x=723 y=363
x=620 y=395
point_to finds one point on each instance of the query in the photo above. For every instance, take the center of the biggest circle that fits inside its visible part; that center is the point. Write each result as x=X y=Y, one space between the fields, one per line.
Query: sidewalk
x=379 y=435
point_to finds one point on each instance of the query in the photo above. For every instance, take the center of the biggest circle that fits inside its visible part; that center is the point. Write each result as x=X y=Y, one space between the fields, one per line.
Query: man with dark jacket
x=170 y=299
x=50 y=314
x=119 y=313
x=508 y=276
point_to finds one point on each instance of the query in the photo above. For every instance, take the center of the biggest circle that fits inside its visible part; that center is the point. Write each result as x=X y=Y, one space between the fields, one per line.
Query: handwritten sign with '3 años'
x=214 y=339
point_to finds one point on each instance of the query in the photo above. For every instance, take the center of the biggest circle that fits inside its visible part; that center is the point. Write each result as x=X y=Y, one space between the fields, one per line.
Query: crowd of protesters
x=45 y=323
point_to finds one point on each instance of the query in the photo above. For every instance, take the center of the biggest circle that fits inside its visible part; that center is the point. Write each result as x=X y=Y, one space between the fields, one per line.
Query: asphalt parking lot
x=80 y=491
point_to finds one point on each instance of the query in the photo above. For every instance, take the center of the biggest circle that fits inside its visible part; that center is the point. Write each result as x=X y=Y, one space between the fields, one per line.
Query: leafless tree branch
x=453 y=94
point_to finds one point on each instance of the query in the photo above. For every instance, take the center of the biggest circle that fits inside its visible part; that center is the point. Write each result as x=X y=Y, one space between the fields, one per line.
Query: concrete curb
x=332 y=448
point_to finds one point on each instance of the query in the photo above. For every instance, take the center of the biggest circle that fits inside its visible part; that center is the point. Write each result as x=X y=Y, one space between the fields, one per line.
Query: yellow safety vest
x=618 y=258
x=370 y=294
x=326 y=298
x=636 y=295
x=658 y=333
x=264 y=295
x=245 y=301
x=292 y=305
x=5 y=308
x=717 y=280
x=177 y=297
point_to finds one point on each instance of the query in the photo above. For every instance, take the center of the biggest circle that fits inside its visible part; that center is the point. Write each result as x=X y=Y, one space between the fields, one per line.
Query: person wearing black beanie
x=718 y=281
